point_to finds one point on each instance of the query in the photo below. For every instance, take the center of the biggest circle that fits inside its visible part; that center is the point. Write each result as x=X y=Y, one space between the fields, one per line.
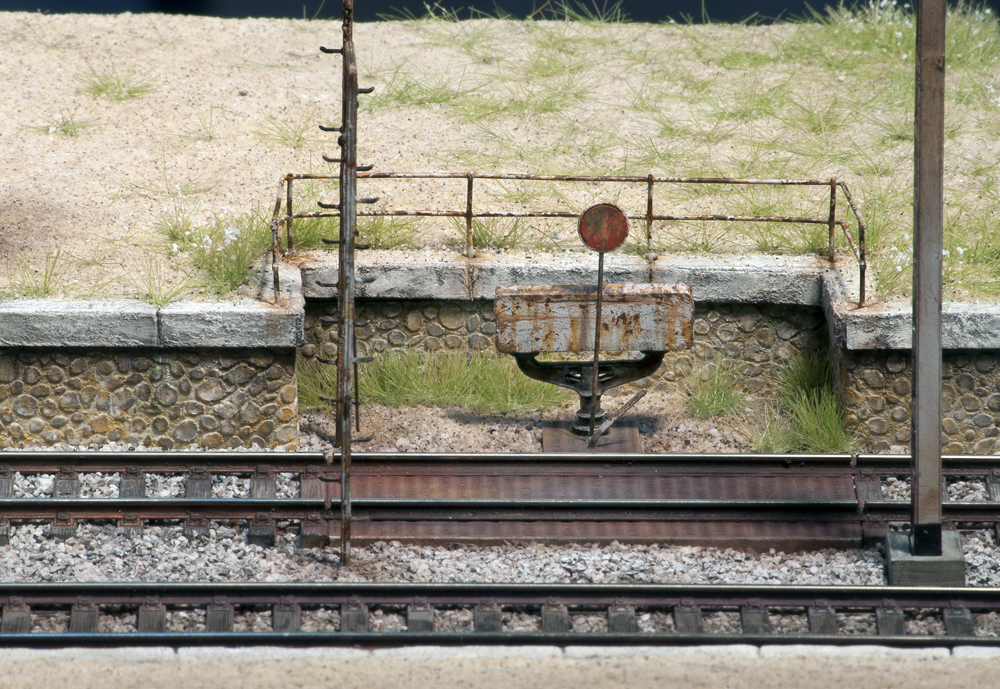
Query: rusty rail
x=859 y=248
x=734 y=500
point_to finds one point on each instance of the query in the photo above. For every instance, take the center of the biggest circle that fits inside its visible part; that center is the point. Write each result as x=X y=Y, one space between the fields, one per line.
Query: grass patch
x=492 y=233
x=206 y=129
x=112 y=84
x=714 y=389
x=808 y=417
x=289 y=130
x=155 y=289
x=377 y=231
x=65 y=124
x=226 y=250
x=485 y=383
x=25 y=280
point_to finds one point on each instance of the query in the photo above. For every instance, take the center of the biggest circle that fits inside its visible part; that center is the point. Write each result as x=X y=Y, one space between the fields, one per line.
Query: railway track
x=757 y=501
x=441 y=614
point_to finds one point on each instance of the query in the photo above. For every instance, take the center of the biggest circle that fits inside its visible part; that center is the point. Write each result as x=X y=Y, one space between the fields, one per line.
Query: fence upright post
x=468 y=217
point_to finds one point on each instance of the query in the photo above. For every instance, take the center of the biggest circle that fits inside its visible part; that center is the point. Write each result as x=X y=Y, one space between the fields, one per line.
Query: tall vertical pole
x=595 y=394
x=346 y=355
x=928 y=217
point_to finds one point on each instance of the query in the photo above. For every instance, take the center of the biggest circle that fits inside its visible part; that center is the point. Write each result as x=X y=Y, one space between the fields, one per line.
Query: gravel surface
x=163 y=553
x=663 y=422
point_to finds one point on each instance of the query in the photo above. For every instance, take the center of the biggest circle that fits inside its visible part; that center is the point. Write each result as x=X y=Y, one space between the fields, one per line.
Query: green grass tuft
x=226 y=249
x=715 y=390
x=485 y=383
x=25 y=280
x=65 y=124
x=111 y=84
x=808 y=417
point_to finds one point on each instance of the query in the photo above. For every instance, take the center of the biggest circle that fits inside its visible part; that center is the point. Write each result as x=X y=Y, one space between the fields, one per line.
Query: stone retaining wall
x=762 y=338
x=876 y=390
x=154 y=397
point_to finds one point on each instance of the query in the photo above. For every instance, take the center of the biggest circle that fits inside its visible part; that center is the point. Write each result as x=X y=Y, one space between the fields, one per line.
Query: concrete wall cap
x=724 y=651
x=452 y=652
x=242 y=323
x=449 y=275
x=118 y=655
x=263 y=653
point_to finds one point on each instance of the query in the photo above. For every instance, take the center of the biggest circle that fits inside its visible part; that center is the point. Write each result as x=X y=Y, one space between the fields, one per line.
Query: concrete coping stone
x=722 y=651
x=265 y=653
x=244 y=323
x=983 y=652
x=123 y=654
x=452 y=652
x=450 y=275
x=810 y=651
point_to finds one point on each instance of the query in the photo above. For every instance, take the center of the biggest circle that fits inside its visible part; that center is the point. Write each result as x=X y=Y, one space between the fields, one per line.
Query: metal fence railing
x=858 y=247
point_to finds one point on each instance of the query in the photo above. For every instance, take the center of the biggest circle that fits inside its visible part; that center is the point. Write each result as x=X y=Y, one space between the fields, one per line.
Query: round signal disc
x=603 y=227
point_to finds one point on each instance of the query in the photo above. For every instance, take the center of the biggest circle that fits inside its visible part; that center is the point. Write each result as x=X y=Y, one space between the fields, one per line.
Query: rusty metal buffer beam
x=651 y=319
x=858 y=247
x=655 y=317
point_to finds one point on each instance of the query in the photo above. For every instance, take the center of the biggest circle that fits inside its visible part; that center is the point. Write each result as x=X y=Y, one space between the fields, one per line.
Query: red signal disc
x=603 y=227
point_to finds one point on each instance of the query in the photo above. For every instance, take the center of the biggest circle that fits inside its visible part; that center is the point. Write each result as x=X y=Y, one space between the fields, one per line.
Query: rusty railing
x=858 y=247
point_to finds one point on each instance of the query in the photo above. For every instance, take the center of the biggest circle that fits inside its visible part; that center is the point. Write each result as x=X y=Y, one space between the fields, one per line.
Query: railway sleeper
x=354 y=616
x=152 y=617
x=219 y=616
x=621 y=618
x=132 y=483
x=84 y=617
x=754 y=618
x=822 y=618
x=286 y=616
x=420 y=616
x=890 y=620
x=262 y=531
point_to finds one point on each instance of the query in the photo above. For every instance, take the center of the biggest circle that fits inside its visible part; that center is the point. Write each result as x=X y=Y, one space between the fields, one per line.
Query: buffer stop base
x=905 y=569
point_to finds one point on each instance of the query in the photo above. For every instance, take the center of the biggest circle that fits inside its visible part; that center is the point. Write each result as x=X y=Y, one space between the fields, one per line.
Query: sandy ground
x=213 y=134
x=733 y=667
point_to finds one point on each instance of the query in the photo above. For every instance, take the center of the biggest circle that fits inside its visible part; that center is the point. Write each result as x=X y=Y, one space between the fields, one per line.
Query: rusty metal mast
x=347 y=358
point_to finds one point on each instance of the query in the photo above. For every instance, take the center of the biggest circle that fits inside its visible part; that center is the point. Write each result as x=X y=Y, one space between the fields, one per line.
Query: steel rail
x=429 y=497
x=246 y=462
x=686 y=603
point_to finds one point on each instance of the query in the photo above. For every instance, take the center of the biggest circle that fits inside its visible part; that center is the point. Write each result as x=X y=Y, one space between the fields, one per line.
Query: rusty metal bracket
x=578 y=377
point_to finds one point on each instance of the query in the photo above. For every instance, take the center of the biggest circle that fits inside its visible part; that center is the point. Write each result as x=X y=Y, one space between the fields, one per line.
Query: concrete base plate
x=906 y=569
x=618 y=439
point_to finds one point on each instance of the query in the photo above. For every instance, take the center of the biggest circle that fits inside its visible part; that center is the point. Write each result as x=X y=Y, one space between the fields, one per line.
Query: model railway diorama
x=591 y=483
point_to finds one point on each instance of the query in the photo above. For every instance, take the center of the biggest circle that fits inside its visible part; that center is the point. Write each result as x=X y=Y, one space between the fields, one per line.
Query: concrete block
x=45 y=323
x=396 y=275
x=456 y=652
x=976 y=652
x=114 y=655
x=225 y=324
x=745 y=279
x=263 y=653
x=905 y=569
x=579 y=270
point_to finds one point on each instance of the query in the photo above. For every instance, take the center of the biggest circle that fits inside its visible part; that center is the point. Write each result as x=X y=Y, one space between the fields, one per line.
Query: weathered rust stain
x=560 y=318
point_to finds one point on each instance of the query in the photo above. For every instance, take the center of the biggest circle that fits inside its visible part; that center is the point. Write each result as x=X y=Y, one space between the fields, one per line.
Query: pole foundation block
x=905 y=569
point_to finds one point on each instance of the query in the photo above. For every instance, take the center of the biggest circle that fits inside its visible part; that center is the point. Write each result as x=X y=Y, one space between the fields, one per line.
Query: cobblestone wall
x=169 y=399
x=876 y=391
x=761 y=338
